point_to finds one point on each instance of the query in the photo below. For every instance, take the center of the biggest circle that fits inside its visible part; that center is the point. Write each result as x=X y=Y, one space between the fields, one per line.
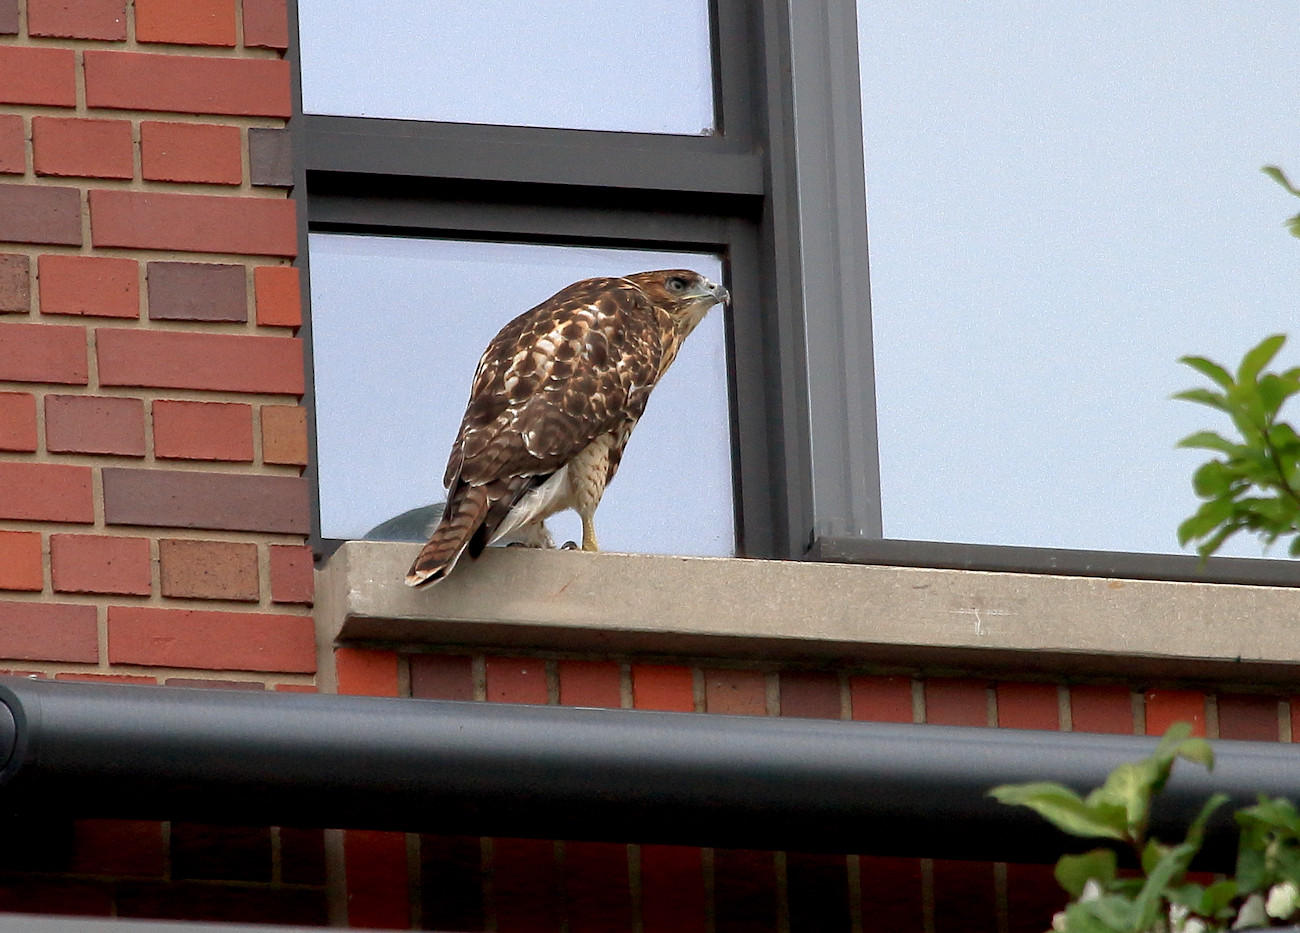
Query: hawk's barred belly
x=554 y=401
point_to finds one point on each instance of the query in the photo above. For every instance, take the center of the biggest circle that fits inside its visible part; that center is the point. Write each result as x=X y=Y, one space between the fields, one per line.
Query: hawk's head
x=685 y=295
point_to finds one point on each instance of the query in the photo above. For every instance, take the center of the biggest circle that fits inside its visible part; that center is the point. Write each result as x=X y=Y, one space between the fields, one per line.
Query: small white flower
x=1251 y=914
x=1282 y=900
x=1091 y=891
x=1194 y=925
x=1177 y=914
x=1058 y=922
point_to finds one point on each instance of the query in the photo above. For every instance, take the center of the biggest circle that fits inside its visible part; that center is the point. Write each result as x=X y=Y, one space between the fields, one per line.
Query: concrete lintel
x=811 y=611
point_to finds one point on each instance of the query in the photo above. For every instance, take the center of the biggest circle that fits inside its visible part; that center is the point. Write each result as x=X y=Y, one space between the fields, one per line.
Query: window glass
x=634 y=67
x=1063 y=199
x=398 y=326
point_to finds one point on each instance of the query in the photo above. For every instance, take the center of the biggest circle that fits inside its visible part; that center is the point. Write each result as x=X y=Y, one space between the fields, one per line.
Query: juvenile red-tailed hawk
x=555 y=398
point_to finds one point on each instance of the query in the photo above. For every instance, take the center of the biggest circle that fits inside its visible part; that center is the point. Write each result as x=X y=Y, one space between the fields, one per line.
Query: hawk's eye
x=676 y=284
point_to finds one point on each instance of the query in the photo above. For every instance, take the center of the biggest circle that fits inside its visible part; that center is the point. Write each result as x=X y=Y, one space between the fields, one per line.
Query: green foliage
x=1254 y=485
x=1275 y=173
x=1160 y=899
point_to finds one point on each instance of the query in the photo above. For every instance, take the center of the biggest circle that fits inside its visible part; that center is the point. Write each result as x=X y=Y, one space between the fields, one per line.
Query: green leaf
x=1208 y=517
x=1064 y=809
x=1212 y=479
x=1274 y=390
x=1203 y=397
x=1275 y=173
x=1129 y=787
x=1209 y=440
x=1208 y=368
x=1074 y=871
x=1104 y=915
x=1258 y=357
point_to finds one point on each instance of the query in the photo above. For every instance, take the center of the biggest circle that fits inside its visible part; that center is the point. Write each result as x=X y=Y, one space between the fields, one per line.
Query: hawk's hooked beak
x=720 y=294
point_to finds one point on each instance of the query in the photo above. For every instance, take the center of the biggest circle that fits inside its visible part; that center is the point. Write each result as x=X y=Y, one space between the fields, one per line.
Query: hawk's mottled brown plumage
x=556 y=396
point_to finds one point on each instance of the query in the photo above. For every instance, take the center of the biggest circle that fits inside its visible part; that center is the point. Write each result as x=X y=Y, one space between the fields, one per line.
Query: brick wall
x=152 y=509
x=462 y=883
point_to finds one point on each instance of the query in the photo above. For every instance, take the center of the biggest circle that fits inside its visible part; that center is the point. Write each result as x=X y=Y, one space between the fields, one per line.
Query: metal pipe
x=261 y=758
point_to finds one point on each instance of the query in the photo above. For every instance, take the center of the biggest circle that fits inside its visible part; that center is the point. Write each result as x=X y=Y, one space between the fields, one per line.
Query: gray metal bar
x=108 y=750
x=1060 y=561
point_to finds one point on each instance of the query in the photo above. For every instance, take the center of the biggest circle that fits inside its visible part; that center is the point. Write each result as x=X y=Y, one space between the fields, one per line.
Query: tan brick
x=208 y=569
x=284 y=434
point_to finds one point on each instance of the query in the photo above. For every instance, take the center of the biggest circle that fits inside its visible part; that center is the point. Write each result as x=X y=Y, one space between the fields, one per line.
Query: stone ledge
x=814 y=612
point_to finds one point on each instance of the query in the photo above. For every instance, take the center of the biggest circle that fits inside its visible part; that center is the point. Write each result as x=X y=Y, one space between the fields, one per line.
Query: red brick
x=950 y=702
x=744 y=891
x=591 y=683
x=117 y=847
x=810 y=694
x=376 y=885
x=13 y=145
x=1101 y=708
x=196 y=683
x=90 y=678
x=597 y=888
x=203 y=431
x=15 y=284
x=736 y=692
x=279 y=296
x=21 y=561
x=525 y=886
x=186 y=22
x=284 y=435
x=964 y=896
x=817 y=890
x=881 y=699
x=186 y=84
x=31 y=631
x=442 y=677
x=38 y=76
x=193 y=222
x=451 y=876
x=212 y=362
x=77 y=19
x=17 y=421
x=39 y=213
x=292 y=574
x=891 y=893
x=28 y=895
x=516 y=680
x=191 y=152
x=1250 y=716
x=663 y=687
x=100 y=564
x=296 y=688
x=79 y=147
x=92 y=424
x=208 y=569
x=1033 y=897
x=672 y=889
x=1028 y=706
x=214 y=641
x=46 y=492
x=99 y=286
x=219 y=501
x=366 y=673
x=202 y=900
x=43 y=353
x=266 y=24
x=1165 y=707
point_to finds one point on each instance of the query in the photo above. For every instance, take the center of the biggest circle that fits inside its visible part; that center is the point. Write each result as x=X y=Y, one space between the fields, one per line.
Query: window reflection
x=1064 y=199
x=397 y=329
x=632 y=67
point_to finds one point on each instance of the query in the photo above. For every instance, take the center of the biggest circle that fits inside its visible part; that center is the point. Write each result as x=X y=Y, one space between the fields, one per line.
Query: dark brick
x=596 y=887
x=195 y=683
x=223 y=501
x=302 y=855
x=736 y=692
x=8 y=17
x=744 y=891
x=40 y=214
x=197 y=291
x=1033 y=897
x=441 y=677
x=451 y=882
x=1249 y=716
x=199 y=901
x=118 y=847
x=221 y=853
x=28 y=895
x=810 y=694
x=524 y=885
x=378 y=895
x=964 y=896
x=891 y=894
x=270 y=157
x=818 y=892
x=672 y=889
x=591 y=683
x=951 y=702
x=15 y=284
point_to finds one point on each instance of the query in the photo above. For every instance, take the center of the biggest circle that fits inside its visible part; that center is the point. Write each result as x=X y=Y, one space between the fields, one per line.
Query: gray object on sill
x=414 y=525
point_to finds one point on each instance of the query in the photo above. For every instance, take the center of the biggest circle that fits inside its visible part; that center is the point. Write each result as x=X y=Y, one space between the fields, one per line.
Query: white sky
x=1063 y=199
x=398 y=326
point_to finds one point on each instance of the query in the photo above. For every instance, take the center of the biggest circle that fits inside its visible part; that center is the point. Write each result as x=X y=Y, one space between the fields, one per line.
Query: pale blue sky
x=1062 y=199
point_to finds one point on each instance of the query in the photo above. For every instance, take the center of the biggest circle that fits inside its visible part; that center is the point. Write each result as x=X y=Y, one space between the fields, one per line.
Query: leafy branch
x=1275 y=173
x=1255 y=484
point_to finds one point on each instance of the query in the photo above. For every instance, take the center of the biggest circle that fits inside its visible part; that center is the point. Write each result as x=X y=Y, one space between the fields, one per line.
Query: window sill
x=876 y=616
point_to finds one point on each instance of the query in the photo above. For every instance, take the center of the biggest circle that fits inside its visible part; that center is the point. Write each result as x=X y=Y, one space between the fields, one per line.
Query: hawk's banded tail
x=460 y=520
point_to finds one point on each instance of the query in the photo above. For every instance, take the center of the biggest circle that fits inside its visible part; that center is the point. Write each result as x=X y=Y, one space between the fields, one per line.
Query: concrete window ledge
x=813 y=612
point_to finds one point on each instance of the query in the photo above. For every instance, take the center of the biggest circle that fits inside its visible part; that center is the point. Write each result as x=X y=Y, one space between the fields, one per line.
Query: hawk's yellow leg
x=589 y=534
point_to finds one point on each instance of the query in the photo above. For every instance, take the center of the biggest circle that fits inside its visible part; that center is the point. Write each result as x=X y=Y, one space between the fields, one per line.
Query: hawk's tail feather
x=461 y=520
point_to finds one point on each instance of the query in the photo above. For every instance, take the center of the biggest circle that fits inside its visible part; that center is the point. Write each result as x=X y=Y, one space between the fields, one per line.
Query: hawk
x=554 y=400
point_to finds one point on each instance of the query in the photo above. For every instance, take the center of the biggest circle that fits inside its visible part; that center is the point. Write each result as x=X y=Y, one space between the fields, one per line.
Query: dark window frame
x=779 y=191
